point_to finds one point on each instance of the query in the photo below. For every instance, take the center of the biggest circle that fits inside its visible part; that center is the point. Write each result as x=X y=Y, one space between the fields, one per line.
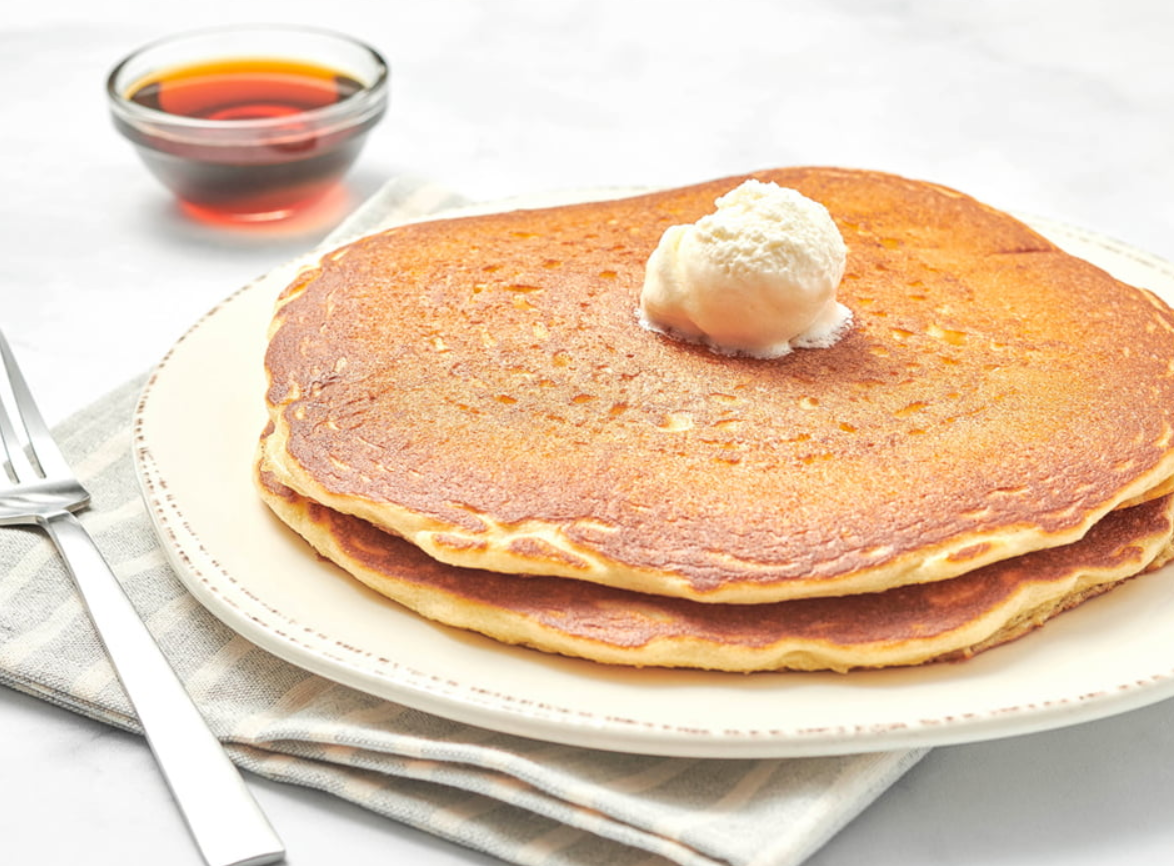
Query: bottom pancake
x=912 y=625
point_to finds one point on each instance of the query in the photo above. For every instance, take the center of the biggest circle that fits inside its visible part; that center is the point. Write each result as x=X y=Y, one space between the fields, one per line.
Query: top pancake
x=482 y=387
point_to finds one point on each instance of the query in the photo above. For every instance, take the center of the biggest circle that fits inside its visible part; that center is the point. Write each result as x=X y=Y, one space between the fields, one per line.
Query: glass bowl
x=249 y=122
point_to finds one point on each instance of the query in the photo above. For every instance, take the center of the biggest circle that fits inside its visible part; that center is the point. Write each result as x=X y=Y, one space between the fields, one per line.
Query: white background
x=1061 y=109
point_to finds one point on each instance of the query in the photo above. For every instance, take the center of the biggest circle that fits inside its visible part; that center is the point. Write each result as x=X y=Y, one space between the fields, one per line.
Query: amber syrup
x=266 y=177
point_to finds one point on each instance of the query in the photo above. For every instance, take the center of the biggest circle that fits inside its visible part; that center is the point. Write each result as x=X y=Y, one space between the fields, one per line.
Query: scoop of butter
x=757 y=277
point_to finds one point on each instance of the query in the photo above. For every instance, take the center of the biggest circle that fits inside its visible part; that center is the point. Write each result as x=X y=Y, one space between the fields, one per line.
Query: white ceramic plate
x=196 y=428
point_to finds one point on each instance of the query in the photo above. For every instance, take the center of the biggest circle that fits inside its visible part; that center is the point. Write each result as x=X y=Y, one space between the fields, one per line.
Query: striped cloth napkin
x=521 y=800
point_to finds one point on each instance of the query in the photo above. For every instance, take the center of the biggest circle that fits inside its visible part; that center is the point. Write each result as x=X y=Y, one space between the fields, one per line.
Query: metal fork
x=38 y=487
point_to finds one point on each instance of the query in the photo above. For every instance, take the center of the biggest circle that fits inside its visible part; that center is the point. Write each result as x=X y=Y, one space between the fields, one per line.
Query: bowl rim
x=365 y=104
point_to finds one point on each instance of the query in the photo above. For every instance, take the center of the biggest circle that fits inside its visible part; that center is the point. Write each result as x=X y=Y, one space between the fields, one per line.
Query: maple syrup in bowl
x=249 y=123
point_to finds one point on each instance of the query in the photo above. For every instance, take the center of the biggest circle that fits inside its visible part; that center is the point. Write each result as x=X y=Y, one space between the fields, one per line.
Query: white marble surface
x=1063 y=109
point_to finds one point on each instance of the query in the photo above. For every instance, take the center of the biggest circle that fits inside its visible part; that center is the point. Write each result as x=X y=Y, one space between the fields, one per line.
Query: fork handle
x=225 y=820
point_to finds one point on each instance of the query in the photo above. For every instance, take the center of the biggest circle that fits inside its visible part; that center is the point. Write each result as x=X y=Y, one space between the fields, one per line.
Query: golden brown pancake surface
x=903 y=626
x=482 y=387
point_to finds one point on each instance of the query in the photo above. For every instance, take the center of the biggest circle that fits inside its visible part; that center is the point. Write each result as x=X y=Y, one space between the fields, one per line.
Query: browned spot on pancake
x=974 y=551
x=458 y=542
x=540 y=550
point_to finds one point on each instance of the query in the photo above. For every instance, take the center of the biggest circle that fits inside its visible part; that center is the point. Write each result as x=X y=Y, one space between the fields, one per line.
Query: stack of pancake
x=467 y=416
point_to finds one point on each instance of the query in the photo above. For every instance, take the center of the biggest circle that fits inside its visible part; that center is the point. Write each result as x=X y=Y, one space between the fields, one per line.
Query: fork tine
x=44 y=449
x=17 y=467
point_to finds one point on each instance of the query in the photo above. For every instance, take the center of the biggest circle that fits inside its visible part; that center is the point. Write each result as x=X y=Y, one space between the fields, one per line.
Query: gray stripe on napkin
x=522 y=800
